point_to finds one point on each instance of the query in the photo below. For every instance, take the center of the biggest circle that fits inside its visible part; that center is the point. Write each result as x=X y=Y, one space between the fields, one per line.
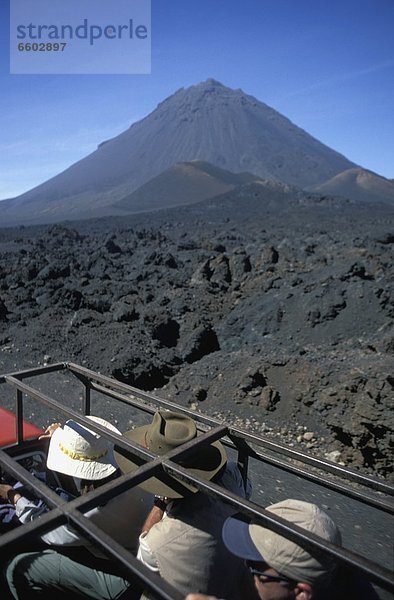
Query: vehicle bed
x=22 y=455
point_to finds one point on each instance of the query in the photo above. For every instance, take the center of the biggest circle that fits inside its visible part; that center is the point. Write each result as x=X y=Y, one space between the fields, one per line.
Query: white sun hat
x=77 y=451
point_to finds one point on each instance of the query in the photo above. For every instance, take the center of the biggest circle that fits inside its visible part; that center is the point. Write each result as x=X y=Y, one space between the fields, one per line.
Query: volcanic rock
x=264 y=306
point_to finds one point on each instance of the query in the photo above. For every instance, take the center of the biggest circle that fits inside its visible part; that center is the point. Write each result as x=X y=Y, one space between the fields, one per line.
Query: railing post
x=19 y=417
x=243 y=463
x=86 y=404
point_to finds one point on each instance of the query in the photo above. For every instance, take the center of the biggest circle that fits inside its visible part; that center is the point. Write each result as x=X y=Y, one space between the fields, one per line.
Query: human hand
x=49 y=431
x=9 y=494
x=4 y=489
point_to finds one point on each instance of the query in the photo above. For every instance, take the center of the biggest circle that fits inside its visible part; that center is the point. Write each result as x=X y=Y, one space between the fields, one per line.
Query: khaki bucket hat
x=169 y=430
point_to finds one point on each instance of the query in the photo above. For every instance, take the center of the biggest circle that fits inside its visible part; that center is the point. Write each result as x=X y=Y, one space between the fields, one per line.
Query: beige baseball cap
x=256 y=543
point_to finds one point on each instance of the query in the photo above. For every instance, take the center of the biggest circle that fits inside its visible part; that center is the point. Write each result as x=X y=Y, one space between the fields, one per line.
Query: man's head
x=79 y=452
x=282 y=569
x=167 y=431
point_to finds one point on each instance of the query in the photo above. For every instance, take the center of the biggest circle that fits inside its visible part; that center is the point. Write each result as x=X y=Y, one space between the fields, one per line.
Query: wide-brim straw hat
x=167 y=431
x=80 y=452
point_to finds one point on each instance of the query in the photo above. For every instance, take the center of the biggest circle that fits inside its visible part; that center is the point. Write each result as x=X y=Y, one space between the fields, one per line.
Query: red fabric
x=8 y=428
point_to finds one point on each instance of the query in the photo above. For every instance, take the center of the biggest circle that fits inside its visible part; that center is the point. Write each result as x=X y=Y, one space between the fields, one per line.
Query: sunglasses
x=266 y=577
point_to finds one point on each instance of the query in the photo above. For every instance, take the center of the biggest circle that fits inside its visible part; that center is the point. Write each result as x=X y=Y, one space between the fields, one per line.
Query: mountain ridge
x=358 y=184
x=209 y=122
x=183 y=183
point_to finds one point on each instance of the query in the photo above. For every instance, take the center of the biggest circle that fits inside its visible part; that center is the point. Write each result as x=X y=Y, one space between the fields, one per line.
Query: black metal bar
x=35 y=371
x=121 y=555
x=124 y=399
x=35 y=394
x=350 y=492
x=165 y=466
x=19 y=417
x=275 y=446
x=97 y=496
x=145 y=471
x=238 y=443
x=81 y=503
x=236 y=432
x=243 y=461
x=117 y=439
x=337 y=486
x=46 y=521
x=110 y=382
x=286 y=466
x=112 y=488
x=313 y=461
x=86 y=408
x=12 y=541
x=375 y=572
x=31 y=482
x=86 y=382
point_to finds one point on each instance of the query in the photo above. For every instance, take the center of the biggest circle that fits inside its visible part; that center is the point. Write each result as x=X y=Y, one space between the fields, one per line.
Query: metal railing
x=348 y=482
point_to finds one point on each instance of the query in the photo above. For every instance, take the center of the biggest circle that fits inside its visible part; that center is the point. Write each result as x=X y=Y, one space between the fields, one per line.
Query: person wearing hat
x=283 y=570
x=181 y=538
x=87 y=457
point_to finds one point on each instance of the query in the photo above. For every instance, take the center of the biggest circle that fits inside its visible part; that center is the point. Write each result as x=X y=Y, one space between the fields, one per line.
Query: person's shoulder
x=363 y=589
x=349 y=584
x=232 y=480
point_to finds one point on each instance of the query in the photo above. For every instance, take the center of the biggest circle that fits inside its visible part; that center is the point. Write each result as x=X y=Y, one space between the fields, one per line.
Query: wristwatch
x=160 y=502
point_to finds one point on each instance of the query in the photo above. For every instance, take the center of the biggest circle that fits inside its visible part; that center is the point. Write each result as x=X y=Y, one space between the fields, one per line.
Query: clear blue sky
x=327 y=66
